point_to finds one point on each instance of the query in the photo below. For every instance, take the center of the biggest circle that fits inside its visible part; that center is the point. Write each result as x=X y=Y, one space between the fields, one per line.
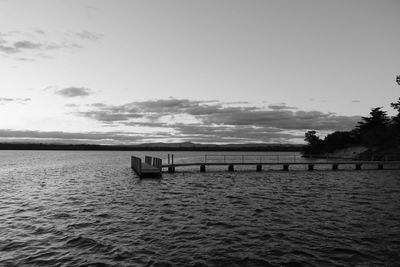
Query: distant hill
x=185 y=146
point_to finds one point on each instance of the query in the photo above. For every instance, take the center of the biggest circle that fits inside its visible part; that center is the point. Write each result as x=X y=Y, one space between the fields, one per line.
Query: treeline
x=378 y=132
x=88 y=147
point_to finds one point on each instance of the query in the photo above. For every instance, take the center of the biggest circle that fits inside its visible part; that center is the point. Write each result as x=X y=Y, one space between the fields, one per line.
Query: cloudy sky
x=226 y=71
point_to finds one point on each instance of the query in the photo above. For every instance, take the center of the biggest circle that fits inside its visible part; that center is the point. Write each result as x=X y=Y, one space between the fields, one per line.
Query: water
x=89 y=209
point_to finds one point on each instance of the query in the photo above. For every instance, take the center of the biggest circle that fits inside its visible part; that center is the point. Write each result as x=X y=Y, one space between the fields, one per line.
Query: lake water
x=68 y=208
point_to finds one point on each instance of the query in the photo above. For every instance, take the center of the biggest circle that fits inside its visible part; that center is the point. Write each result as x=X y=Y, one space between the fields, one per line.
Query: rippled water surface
x=90 y=209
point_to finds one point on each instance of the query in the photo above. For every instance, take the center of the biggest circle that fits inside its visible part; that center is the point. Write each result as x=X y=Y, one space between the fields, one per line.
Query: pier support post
x=285 y=167
x=380 y=166
x=310 y=167
x=230 y=168
x=259 y=167
x=335 y=167
x=358 y=167
x=202 y=168
x=171 y=169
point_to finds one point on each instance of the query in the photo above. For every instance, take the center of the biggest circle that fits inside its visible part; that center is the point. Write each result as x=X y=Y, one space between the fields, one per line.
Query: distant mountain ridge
x=183 y=146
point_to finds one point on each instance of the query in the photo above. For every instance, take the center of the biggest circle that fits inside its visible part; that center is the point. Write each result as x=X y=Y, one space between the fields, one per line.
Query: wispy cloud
x=39 y=41
x=5 y=100
x=87 y=35
x=74 y=91
x=15 y=47
x=70 y=137
x=280 y=106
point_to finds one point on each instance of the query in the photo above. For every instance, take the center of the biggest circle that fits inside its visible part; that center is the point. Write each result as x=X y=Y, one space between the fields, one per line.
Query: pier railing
x=211 y=158
x=272 y=158
x=284 y=160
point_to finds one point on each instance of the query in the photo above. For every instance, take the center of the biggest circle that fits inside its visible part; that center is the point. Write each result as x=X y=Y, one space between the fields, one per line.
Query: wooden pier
x=150 y=168
x=153 y=167
x=285 y=166
x=283 y=162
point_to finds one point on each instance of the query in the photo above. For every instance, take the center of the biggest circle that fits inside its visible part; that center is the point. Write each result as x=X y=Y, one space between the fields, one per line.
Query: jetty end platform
x=150 y=168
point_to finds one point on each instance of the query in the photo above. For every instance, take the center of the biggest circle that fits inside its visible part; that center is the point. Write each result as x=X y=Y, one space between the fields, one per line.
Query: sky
x=226 y=71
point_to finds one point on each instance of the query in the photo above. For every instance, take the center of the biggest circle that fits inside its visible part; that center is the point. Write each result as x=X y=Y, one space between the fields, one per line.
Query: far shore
x=156 y=147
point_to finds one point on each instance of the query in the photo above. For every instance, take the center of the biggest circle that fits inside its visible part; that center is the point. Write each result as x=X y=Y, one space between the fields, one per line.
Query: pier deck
x=151 y=168
x=276 y=160
x=335 y=165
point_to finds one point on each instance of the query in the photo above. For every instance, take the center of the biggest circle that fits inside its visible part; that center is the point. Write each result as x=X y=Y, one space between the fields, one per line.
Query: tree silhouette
x=396 y=106
x=377 y=118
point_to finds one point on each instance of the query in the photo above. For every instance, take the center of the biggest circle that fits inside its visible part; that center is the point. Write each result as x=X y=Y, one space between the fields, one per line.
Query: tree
x=314 y=143
x=374 y=130
x=338 y=140
x=396 y=106
x=377 y=118
x=311 y=138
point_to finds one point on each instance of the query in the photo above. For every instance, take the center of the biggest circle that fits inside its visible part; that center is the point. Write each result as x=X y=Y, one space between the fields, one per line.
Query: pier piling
x=285 y=167
x=202 y=168
x=259 y=168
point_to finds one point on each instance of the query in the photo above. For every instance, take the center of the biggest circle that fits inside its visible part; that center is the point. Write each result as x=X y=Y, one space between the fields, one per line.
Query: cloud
x=218 y=114
x=86 y=35
x=27 y=45
x=70 y=137
x=25 y=59
x=74 y=91
x=178 y=120
x=4 y=100
x=17 y=42
x=280 y=106
x=211 y=121
x=71 y=105
x=8 y=49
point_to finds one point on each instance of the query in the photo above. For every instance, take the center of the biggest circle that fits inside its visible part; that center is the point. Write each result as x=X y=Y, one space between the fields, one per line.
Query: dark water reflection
x=89 y=209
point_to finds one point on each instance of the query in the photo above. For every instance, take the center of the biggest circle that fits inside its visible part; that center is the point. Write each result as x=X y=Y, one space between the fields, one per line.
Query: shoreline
x=161 y=147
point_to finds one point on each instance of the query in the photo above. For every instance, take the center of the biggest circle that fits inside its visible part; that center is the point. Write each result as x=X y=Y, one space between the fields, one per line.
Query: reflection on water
x=89 y=209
